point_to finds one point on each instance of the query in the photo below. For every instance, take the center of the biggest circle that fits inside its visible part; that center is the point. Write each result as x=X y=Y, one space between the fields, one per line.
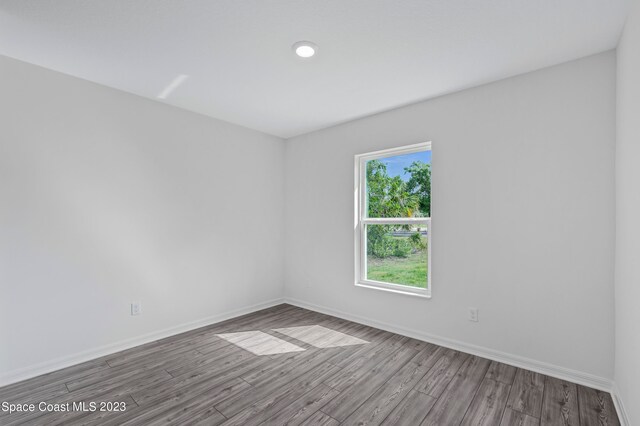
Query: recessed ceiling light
x=304 y=49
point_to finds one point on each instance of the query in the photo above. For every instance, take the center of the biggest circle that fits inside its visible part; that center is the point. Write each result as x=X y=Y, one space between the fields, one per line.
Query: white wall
x=523 y=215
x=627 y=266
x=107 y=198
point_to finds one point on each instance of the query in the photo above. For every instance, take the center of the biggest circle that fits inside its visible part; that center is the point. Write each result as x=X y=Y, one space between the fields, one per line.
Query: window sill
x=424 y=294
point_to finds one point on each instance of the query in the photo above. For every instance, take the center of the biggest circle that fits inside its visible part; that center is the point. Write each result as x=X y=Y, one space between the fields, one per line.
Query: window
x=393 y=220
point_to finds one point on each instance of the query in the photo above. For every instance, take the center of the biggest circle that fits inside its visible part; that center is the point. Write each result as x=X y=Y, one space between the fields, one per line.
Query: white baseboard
x=623 y=415
x=563 y=373
x=67 y=361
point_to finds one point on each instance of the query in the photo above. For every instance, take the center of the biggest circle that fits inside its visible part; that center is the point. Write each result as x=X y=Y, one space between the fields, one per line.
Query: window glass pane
x=397 y=254
x=399 y=186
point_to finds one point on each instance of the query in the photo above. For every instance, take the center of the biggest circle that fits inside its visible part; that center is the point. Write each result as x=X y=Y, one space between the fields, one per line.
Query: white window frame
x=361 y=221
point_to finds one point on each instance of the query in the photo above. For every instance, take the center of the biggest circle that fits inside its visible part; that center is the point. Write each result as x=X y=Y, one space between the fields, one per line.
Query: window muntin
x=393 y=229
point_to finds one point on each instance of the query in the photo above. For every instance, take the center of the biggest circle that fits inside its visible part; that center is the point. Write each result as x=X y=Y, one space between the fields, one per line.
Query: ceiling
x=373 y=55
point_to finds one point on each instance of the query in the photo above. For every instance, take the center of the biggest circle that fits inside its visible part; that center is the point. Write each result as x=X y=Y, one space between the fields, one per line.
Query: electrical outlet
x=473 y=314
x=136 y=308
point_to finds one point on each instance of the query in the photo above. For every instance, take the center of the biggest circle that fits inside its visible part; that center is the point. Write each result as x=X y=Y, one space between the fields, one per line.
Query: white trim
x=623 y=415
x=406 y=149
x=361 y=221
x=67 y=361
x=563 y=373
x=394 y=288
x=395 y=220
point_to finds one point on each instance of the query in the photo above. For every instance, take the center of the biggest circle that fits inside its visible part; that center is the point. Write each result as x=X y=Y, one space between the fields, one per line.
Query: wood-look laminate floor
x=287 y=365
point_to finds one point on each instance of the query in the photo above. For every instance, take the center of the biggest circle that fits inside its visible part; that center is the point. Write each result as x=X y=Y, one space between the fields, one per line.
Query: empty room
x=320 y=212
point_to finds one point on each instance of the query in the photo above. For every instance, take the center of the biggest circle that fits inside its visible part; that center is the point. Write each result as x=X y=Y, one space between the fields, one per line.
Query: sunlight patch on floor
x=260 y=343
x=320 y=337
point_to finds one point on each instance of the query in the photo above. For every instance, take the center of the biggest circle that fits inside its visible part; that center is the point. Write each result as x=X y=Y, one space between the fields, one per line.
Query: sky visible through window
x=396 y=165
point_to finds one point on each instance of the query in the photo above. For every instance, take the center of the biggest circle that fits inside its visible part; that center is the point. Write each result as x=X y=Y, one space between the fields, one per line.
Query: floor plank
x=25 y=388
x=353 y=371
x=299 y=411
x=350 y=399
x=197 y=381
x=516 y=418
x=526 y=393
x=375 y=409
x=437 y=380
x=560 y=403
x=488 y=405
x=229 y=353
x=40 y=393
x=180 y=407
x=501 y=372
x=112 y=389
x=126 y=370
x=320 y=419
x=387 y=341
x=411 y=410
x=596 y=408
x=272 y=399
x=454 y=402
x=292 y=366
